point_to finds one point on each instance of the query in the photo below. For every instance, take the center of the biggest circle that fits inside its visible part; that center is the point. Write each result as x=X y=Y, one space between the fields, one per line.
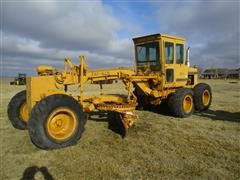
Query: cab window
x=148 y=54
x=179 y=53
x=142 y=55
x=168 y=53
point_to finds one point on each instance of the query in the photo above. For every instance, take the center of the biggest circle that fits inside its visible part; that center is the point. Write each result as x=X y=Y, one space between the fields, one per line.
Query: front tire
x=57 y=121
x=202 y=96
x=181 y=103
x=17 y=111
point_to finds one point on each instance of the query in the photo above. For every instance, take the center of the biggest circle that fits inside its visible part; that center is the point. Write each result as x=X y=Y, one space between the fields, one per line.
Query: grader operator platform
x=55 y=118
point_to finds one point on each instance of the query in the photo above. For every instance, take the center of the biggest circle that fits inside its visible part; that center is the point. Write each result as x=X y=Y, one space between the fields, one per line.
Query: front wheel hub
x=61 y=124
x=24 y=112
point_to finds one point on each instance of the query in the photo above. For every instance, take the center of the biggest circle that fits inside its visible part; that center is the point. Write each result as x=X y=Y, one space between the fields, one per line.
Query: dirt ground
x=203 y=146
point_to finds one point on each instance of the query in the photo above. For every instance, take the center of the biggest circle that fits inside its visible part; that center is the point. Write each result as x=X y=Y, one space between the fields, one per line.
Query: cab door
x=181 y=70
x=168 y=61
x=175 y=69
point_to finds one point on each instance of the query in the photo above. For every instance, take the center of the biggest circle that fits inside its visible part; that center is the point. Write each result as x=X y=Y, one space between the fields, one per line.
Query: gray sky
x=35 y=32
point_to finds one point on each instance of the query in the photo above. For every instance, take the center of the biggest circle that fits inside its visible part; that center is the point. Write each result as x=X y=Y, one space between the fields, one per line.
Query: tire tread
x=175 y=102
x=198 y=91
x=14 y=110
x=39 y=116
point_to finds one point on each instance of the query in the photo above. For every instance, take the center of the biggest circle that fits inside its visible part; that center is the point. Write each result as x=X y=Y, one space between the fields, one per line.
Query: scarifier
x=55 y=118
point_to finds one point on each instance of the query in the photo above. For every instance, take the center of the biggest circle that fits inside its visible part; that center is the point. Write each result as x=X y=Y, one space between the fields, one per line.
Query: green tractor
x=19 y=80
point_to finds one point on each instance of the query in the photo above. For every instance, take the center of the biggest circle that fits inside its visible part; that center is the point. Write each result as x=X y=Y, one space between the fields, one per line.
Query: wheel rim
x=61 y=124
x=24 y=112
x=206 y=97
x=188 y=104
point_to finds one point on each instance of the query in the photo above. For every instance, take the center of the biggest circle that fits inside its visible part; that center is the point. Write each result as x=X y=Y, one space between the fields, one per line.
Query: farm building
x=221 y=73
x=234 y=73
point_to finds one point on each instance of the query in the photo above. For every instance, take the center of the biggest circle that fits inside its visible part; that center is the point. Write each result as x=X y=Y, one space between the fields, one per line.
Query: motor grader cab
x=55 y=117
x=164 y=55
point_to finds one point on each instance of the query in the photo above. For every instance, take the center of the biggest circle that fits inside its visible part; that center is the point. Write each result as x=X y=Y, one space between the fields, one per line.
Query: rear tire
x=202 y=96
x=181 y=103
x=57 y=121
x=17 y=111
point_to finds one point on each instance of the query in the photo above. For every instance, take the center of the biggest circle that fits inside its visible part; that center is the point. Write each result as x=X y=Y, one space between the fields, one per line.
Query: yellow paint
x=151 y=84
x=44 y=70
x=187 y=104
x=61 y=124
x=206 y=97
x=24 y=112
x=40 y=87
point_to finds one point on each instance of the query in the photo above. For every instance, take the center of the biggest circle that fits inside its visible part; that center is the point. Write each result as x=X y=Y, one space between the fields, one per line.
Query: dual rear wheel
x=181 y=103
x=202 y=96
x=185 y=100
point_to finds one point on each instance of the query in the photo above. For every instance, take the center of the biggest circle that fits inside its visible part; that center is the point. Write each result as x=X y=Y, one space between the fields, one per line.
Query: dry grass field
x=203 y=146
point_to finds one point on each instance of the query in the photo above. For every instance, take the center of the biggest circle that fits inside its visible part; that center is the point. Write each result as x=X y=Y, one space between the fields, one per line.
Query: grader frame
x=161 y=74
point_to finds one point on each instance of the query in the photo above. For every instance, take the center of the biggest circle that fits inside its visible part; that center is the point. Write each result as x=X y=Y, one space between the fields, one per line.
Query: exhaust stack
x=188 y=57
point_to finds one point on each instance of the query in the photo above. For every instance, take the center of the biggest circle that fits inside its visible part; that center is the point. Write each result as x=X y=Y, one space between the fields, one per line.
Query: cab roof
x=155 y=37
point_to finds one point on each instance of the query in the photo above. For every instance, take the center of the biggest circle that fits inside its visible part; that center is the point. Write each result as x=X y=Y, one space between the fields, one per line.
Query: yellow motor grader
x=55 y=118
